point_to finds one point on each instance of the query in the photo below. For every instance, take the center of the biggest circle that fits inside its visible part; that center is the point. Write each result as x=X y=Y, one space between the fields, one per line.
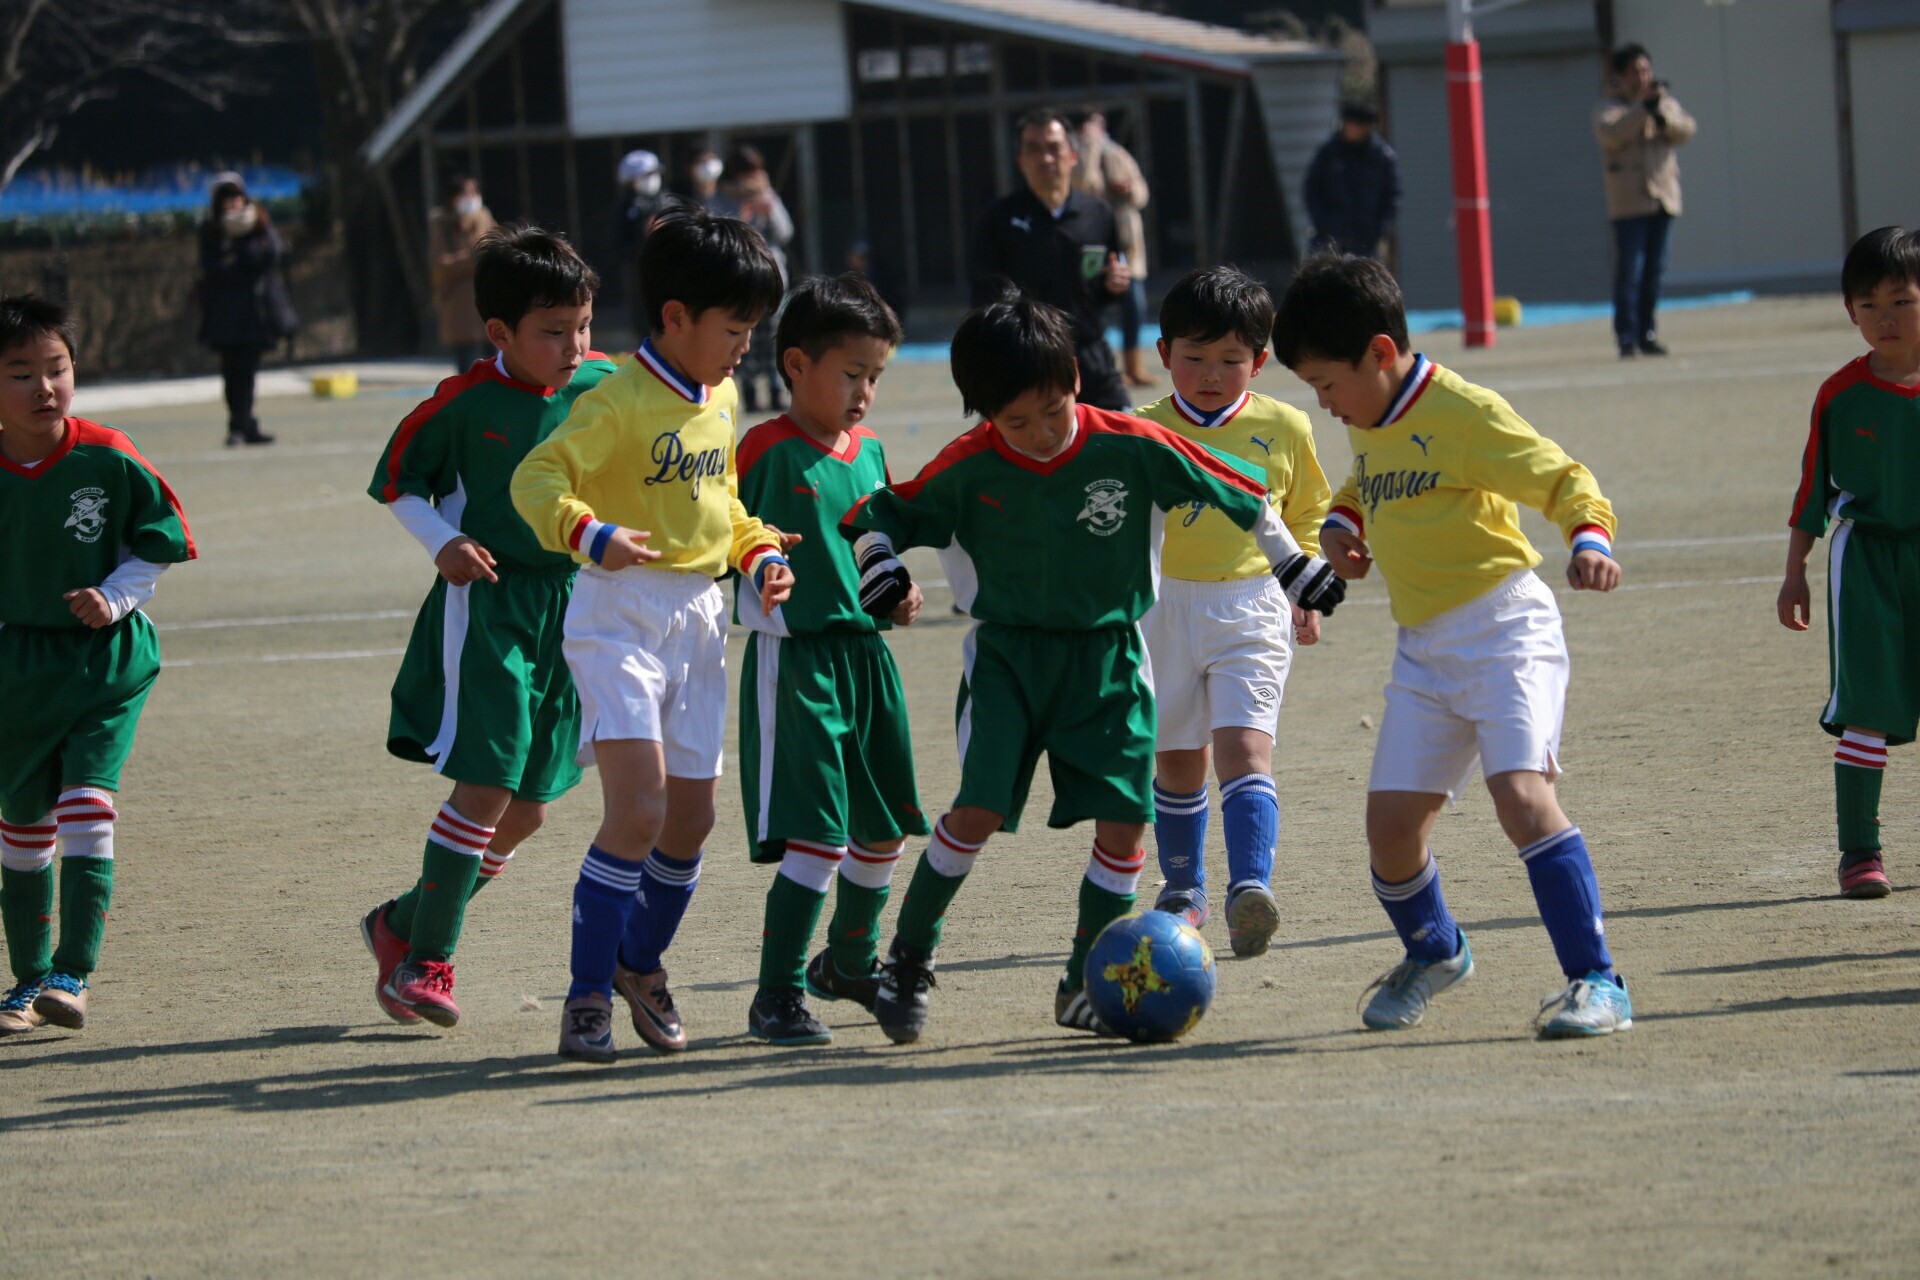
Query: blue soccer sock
x=1419 y=913
x=1180 y=837
x=666 y=887
x=1568 y=896
x=1250 y=814
x=602 y=901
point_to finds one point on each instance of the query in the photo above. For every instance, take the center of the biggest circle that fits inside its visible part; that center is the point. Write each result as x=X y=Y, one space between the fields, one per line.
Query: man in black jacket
x=1061 y=247
x=1353 y=186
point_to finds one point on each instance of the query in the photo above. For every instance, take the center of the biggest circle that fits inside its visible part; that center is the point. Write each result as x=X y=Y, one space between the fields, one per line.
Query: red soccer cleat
x=388 y=949
x=426 y=988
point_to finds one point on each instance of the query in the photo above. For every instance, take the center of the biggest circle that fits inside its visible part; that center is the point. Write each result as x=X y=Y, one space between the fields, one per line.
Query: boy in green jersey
x=86 y=528
x=1049 y=517
x=1862 y=471
x=826 y=757
x=483 y=693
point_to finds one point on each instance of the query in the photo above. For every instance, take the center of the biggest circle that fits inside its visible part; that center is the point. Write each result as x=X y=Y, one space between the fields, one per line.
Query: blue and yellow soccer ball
x=1150 y=976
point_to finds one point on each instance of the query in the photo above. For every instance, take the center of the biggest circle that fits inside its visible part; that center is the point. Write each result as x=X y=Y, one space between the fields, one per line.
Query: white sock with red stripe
x=1861 y=750
x=493 y=862
x=870 y=870
x=1859 y=766
x=1116 y=873
x=812 y=865
x=27 y=846
x=85 y=817
x=950 y=857
x=461 y=835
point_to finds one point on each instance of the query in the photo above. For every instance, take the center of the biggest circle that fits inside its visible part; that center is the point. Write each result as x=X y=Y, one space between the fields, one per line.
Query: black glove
x=1310 y=582
x=884 y=582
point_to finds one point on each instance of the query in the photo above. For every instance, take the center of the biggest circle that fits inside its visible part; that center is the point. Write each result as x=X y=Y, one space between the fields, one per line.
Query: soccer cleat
x=1864 y=878
x=388 y=950
x=1189 y=904
x=586 y=1029
x=17 y=1013
x=1072 y=1008
x=900 y=1003
x=654 y=1016
x=1252 y=919
x=425 y=987
x=1402 y=993
x=1589 y=1006
x=779 y=1015
x=62 y=1000
x=825 y=980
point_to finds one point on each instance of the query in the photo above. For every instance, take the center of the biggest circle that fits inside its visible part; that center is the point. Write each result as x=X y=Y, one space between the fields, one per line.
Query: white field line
x=336 y=655
x=286 y=620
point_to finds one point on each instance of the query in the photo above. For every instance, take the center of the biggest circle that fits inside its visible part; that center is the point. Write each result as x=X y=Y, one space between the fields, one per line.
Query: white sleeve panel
x=423 y=520
x=1273 y=538
x=130 y=586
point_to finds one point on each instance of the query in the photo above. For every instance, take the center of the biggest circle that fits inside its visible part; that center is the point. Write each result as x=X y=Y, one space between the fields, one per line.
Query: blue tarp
x=41 y=194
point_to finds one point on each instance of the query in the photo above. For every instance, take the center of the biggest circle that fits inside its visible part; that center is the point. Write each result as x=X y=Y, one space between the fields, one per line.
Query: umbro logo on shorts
x=1264 y=695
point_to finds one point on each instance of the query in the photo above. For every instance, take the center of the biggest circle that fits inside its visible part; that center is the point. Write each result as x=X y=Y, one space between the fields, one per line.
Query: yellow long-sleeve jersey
x=1201 y=544
x=1435 y=490
x=646 y=449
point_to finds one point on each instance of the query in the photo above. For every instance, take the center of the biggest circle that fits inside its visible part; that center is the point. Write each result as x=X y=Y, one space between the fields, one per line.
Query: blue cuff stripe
x=601 y=536
x=760 y=570
x=1593 y=542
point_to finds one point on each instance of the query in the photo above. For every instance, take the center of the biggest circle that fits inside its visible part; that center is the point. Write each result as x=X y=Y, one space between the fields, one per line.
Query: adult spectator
x=640 y=203
x=453 y=231
x=746 y=193
x=703 y=177
x=1352 y=190
x=1638 y=125
x=244 y=306
x=1107 y=171
x=1060 y=246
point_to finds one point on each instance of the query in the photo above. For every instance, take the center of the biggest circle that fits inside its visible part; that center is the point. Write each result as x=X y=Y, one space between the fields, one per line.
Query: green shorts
x=825 y=751
x=483 y=694
x=1083 y=697
x=1873 y=633
x=73 y=698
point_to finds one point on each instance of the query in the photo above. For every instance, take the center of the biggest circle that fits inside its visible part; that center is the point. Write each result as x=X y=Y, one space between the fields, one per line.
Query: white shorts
x=1220 y=654
x=1487 y=678
x=648 y=652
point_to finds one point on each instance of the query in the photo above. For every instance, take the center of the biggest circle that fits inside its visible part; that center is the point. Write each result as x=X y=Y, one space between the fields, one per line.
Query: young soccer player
x=1862 y=470
x=1050 y=516
x=1222 y=635
x=639 y=485
x=826 y=758
x=483 y=693
x=1440 y=467
x=86 y=528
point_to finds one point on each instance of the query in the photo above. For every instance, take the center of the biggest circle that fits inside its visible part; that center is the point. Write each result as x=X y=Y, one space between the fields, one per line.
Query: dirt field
x=238 y=1106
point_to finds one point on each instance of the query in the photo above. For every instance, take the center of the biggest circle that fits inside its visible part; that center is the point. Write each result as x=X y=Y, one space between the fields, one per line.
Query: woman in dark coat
x=245 y=308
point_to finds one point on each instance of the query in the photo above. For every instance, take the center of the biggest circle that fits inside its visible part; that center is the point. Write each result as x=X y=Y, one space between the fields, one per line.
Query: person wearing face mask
x=244 y=305
x=640 y=203
x=703 y=178
x=747 y=193
x=453 y=232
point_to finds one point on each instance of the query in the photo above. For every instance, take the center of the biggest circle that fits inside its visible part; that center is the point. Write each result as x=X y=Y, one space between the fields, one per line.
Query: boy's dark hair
x=1625 y=56
x=824 y=311
x=519 y=269
x=702 y=261
x=26 y=316
x=1041 y=117
x=1885 y=253
x=1359 y=113
x=1333 y=308
x=1207 y=304
x=1009 y=347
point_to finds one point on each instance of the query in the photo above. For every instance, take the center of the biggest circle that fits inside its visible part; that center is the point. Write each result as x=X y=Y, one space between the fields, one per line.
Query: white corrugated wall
x=1884 y=70
x=644 y=66
x=1300 y=103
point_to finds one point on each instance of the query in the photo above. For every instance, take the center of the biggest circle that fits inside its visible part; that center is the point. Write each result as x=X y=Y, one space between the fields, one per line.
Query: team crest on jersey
x=1106 y=508
x=88 y=519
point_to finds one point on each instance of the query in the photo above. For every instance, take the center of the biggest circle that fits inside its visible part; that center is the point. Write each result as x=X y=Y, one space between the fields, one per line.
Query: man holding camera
x=1638 y=125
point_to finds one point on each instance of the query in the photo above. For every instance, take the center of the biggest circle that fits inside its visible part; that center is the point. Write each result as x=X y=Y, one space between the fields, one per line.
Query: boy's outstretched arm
x=1343 y=535
x=1795 y=605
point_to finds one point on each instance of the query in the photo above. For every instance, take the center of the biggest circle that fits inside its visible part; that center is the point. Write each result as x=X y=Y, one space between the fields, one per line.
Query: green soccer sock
x=793 y=910
x=86 y=892
x=26 y=911
x=1098 y=909
x=853 y=935
x=923 y=912
x=400 y=915
x=446 y=882
x=1856 y=793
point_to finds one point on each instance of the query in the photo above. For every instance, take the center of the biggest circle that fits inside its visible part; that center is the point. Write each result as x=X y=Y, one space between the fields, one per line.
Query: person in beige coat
x=1639 y=124
x=1107 y=171
x=452 y=232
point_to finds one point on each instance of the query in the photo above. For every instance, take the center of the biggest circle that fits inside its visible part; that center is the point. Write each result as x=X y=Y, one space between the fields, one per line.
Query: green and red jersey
x=459 y=448
x=791 y=481
x=70 y=520
x=1066 y=544
x=1862 y=461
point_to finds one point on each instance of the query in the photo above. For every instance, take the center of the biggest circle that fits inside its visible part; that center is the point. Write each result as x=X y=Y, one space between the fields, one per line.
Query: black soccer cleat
x=779 y=1015
x=825 y=980
x=900 y=1003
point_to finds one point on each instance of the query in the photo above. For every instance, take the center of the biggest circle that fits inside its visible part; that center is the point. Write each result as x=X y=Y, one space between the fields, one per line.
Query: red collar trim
x=1868 y=375
x=499 y=366
x=1081 y=430
x=70 y=436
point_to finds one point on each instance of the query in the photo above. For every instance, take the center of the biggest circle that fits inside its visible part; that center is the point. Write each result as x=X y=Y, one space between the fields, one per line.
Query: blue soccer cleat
x=1589 y=1006
x=1401 y=994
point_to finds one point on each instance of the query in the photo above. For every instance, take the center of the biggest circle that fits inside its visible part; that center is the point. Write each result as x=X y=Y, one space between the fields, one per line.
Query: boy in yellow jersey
x=1440 y=467
x=639 y=485
x=1222 y=635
